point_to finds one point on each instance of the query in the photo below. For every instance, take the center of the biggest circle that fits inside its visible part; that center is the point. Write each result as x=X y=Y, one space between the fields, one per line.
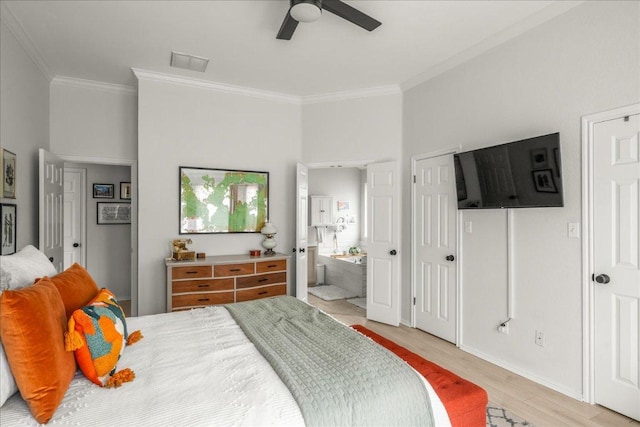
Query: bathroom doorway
x=337 y=233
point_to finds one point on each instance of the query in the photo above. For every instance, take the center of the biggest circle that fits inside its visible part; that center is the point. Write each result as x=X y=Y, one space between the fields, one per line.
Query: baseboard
x=528 y=375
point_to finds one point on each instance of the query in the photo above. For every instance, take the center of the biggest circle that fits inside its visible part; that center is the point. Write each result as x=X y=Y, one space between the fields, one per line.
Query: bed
x=276 y=361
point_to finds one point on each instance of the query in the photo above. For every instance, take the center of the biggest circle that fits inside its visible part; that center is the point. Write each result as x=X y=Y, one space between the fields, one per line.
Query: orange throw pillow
x=32 y=326
x=76 y=287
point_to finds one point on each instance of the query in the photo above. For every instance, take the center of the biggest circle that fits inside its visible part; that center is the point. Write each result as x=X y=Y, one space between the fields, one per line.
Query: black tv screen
x=519 y=174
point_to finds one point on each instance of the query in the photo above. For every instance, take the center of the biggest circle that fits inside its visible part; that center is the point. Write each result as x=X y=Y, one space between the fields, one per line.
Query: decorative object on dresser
x=8 y=174
x=269 y=230
x=222 y=201
x=103 y=191
x=8 y=228
x=225 y=279
x=180 y=251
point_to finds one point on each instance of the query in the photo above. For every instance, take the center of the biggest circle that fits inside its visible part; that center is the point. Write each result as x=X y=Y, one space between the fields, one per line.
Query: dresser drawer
x=183 y=286
x=264 y=292
x=260 y=280
x=265 y=266
x=191 y=272
x=233 y=269
x=188 y=300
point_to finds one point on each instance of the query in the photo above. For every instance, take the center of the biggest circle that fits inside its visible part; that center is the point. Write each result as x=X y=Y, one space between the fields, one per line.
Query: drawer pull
x=191 y=272
x=205 y=285
x=263 y=280
x=272 y=265
x=263 y=292
x=203 y=299
x=234 y=269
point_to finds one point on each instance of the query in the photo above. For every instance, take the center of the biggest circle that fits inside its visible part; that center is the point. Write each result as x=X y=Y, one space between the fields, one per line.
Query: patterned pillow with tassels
x=97 y=335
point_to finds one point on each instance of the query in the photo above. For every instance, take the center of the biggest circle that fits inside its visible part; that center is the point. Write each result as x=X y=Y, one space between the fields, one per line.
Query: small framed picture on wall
x=114 y=213
x=125 y=190
x=103 y=191
x=8 y=174
x=8 y=228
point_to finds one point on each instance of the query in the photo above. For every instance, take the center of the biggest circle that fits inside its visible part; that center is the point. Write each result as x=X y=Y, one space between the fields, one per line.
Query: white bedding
x=192 y=368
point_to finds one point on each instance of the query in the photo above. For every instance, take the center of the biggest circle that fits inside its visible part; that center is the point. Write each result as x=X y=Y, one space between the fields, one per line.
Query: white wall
x=357 y=129
x=582 y=62
x=89 y=119
x=184 y=125
x=342 y=184
x=108 y=246
x=24 y=115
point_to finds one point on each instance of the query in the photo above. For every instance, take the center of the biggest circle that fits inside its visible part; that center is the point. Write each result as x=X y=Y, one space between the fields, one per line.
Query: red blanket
x=465 y=402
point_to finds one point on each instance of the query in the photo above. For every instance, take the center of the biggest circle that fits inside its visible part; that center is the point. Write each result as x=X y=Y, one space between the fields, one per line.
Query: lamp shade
x=268 y=229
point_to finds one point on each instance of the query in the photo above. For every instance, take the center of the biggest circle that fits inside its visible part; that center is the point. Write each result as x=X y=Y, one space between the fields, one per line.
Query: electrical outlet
x=540 y=338
x=468 y=227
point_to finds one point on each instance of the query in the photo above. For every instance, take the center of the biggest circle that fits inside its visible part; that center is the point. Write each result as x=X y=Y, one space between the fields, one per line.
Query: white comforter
x=193 y=368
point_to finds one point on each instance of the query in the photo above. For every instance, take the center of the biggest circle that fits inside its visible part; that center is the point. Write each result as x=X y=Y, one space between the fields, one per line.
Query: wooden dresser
x=225 y=279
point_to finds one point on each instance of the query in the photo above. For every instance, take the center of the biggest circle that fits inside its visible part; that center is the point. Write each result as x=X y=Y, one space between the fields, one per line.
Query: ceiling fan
x=310 y=10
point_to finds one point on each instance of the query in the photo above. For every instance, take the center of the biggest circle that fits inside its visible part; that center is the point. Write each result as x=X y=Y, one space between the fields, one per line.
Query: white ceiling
x=103 y=40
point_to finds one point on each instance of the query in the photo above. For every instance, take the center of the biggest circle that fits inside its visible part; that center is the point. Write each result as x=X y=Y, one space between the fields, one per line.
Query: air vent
x=189 y=62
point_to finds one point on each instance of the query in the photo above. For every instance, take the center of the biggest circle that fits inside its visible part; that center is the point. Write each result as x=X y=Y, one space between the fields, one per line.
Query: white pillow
x=22 y=268
x=17 y=271
x=7 y=383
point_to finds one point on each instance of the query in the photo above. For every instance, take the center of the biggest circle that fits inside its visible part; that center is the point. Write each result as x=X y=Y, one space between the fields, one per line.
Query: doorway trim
x=588 y=294
x=414 y=159
x=133 y=164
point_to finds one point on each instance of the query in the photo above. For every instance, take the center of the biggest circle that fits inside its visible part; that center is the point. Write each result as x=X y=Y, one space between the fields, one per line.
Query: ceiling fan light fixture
x=306 y=10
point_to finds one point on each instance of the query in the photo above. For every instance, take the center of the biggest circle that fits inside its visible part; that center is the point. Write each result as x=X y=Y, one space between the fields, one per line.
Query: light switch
x=573 y=230
x=467 y=226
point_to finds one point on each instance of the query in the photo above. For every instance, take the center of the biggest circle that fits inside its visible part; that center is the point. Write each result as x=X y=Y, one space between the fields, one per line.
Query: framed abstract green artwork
x=222 y=201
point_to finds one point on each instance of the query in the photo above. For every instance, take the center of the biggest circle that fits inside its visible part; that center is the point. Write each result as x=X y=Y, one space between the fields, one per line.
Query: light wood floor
x=537 y=404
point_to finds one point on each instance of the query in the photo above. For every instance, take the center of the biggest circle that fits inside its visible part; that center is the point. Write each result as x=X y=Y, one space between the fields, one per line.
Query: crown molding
x=92 y=84
x=13 y=25
x=555 y=9
x=352 y=94
x=258 y=93
x=214 y=86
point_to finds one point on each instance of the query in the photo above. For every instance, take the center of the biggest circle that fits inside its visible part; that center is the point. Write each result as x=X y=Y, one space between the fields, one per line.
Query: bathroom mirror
x=222 y=201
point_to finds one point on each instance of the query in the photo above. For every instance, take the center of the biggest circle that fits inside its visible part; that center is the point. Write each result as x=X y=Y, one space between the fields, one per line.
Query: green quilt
x=337 y=376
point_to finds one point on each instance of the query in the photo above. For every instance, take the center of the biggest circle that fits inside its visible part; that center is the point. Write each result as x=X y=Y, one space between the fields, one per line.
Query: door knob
x=393 y=252
x=76 y=245
x=450 y=258
x=603 y=279
x=294 y=250
x=51 y=259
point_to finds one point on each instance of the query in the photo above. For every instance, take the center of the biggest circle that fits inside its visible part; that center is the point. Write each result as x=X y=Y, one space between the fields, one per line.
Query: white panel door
x=434 y=218
x=616 y=180
x=74 y=201
x=51 y=195
x=383 y=260
x=302 y=213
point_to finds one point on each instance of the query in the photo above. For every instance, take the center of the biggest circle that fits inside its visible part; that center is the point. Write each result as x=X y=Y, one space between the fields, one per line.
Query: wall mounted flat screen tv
x=519 y=174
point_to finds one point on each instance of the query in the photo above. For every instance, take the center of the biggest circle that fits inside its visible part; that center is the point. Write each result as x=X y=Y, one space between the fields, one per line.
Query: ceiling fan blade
x=351 y=14
x=287 y=28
